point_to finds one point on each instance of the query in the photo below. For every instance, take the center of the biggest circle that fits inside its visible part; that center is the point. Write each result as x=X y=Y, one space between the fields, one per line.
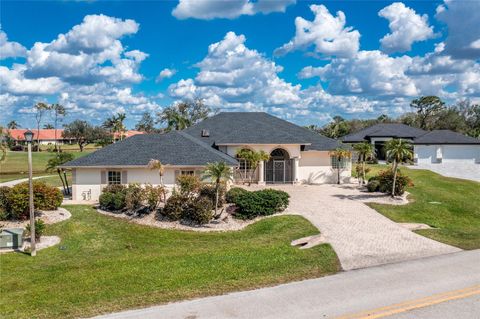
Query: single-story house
x=297 y=155
x=380 y=133
x=45 y=136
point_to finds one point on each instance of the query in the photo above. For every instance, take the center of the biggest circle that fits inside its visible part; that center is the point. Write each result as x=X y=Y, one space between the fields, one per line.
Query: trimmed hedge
x=234 y=193
x=45 y=197
x=261 y=203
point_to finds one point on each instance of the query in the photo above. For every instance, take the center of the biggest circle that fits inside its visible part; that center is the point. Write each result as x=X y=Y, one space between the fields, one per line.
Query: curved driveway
x=361 y=236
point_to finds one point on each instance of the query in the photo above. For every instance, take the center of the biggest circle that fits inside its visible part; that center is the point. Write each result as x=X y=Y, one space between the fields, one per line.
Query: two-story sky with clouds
x=304 y=61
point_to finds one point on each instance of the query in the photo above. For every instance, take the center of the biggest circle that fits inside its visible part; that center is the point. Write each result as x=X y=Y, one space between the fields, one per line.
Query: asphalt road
x=446 y=286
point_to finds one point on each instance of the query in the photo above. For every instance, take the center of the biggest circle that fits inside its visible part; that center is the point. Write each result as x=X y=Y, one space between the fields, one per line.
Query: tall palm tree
x=119 y=126
x=218 y=172
x=156 y=164
x=54 y=163
x=365 y=151
x=340 y=154
x=12 y=125
x=58 y=111
x=398 y=151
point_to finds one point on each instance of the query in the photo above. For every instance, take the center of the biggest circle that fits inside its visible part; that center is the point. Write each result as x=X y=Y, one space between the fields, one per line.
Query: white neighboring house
x=448 y=153
x=297 y=155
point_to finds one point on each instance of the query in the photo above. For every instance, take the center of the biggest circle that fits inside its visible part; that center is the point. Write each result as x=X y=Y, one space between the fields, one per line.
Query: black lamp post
x=29 y=139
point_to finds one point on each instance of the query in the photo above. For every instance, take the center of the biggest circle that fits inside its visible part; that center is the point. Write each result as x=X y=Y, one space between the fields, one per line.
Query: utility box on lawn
x=11 y=238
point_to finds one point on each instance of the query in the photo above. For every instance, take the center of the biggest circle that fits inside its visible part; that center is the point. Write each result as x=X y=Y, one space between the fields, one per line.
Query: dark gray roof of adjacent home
x=395 y=130
x=445 y=137
x=257 y=128
x=174 y=148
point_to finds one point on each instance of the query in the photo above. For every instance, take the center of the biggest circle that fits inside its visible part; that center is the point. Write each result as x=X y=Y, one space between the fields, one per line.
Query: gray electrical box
x=11 y=238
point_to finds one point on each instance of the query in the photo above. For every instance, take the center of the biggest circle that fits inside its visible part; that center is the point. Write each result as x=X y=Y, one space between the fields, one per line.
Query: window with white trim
x=187 y=172
x=335 y=163
x=114 y=177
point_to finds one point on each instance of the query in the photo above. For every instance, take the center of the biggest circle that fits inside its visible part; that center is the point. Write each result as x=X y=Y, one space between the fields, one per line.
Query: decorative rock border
x=48 y=217
x=226 y=222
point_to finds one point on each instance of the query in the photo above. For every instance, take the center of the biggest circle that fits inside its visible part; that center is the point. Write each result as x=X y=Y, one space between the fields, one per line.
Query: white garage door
x=461 y=154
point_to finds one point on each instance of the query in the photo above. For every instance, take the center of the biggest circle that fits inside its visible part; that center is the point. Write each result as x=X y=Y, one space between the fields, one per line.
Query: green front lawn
x=109 y=265
x=449 y=204
x=17 y=162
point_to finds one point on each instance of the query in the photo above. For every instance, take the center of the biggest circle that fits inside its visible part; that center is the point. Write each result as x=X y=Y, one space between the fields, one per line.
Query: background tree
x=40 y=110
x=82 y=133
x=3 y=144
x=146 y=123
x=337 y=128
x=365 y=152
x=340 y=155
x=218 y=172
x=12 y=125
x=398 y=151
x=54 y=163
x=427 y=107
x=157 y=165
x=184 y=114
x=119 y=126
x=48 y=126
x=59 y=112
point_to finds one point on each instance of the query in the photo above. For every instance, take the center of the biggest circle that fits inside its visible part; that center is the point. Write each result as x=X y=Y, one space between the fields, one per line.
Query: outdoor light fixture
x=28 y=136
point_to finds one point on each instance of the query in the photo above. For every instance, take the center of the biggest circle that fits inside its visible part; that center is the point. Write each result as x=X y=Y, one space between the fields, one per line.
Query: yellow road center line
x=414 y=304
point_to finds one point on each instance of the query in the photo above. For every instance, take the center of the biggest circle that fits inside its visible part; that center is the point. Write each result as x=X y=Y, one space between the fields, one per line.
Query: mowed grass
x=110 y=265
x=452 y=205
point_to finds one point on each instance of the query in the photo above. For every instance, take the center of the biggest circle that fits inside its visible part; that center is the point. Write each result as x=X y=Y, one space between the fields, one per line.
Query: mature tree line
x=430 y=113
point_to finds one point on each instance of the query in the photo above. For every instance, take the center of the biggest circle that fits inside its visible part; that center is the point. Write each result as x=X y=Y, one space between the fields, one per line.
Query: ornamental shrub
x=199 y=210
x=208 y=191
x=4 y=203
x=45 y=197
x=189 y=184
x=114 y=188
x=112 y=201
x=134 y=197
x=261 y=203
x=373 y=185
x=39 y=229
x=233 y=193
x=154 y=196
x=385 y=182
x=175 y=206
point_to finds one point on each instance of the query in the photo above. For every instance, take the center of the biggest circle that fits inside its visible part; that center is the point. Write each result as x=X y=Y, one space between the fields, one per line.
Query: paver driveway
x=361 y=236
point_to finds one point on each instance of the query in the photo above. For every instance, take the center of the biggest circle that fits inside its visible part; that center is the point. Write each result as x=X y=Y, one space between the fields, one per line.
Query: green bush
x=39 y=229
x=199 y=210
x=373 y=185
x=261 y=203
x=134 y=197
x=114 y=188
x=45 y=197
x=385 y=182
x=4 y=203
x=189 y=184
x=112 y=201
x=234 y=193
x=154 y=196
x=208 y=191
x=175 y=206
x=106 y=201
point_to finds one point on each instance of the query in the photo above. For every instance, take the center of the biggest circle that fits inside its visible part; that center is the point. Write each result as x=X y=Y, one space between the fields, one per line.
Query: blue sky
x=305 y=61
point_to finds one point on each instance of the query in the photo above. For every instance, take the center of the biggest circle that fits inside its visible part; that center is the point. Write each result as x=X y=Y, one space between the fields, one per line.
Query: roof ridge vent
x=205 y=133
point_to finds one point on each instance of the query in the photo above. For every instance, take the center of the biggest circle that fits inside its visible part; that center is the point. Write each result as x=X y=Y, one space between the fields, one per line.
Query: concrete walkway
x=329 y=297
x=360 y=236
x=18 y=181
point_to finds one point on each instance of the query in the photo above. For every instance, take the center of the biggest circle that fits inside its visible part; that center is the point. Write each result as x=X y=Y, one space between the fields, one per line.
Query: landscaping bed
x=107 y=265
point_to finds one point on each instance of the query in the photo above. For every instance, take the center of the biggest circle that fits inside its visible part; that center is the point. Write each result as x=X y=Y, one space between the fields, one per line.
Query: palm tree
x=340 y=154
x=119 y=126
x=58 y=111
x=398 y=151
x=217 y=172
x=40 y=109
x=156 y=164
x=365 y=151
x=12 y=125
x=253 y=159
x=54 y=163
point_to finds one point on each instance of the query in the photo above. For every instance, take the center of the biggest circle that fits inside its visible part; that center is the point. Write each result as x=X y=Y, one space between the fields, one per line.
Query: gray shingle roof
x=258 y=128
x=445 y=137
x=174 y=148
x=384 y=130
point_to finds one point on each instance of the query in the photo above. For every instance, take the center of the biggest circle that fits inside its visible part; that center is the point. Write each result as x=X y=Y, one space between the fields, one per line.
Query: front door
x=278 y=171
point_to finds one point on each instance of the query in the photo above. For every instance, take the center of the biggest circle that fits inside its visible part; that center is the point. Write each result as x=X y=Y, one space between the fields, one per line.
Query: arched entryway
x=278 y=169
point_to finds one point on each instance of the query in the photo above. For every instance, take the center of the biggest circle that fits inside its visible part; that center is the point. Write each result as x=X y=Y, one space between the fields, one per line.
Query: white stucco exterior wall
x=453 y=154
x=315 y=168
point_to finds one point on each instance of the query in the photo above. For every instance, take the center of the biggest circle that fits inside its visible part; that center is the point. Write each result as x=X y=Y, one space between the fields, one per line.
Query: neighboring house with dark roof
x=380 y=133
x=297 y=155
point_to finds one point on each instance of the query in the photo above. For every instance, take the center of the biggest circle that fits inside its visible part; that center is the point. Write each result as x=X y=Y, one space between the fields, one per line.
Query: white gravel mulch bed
x=226 y=222
x=48 y=217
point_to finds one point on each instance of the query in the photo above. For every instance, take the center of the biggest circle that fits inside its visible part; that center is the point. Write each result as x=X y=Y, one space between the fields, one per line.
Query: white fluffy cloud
x=327 y=33
x=10 y=49
x=462 y=20
x=234 y=76
x=165 y=74
x=406 y=27
x=211 y=9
